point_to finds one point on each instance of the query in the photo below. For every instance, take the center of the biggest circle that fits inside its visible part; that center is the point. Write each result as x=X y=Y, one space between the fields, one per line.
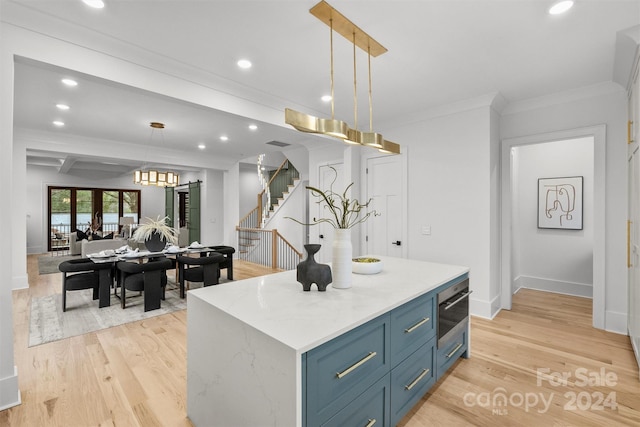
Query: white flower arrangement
x=145 y=230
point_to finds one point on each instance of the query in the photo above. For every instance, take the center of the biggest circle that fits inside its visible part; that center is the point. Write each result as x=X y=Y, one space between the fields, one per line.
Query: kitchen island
x=257 y=348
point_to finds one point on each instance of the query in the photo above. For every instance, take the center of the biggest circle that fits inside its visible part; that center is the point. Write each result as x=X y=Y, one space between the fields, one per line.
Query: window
x=73 y=208
x=60 y=210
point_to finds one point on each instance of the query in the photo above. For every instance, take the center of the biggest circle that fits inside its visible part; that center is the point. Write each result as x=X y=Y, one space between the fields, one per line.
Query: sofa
x=94 y=246
x=75 y=244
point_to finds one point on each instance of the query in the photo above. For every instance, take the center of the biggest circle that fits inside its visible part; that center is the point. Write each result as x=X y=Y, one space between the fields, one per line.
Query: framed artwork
x=560 y=203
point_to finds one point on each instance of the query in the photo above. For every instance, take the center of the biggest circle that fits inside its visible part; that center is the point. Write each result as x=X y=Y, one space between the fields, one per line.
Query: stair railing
x=250 y=220
x=267 y=247
x=274 y=189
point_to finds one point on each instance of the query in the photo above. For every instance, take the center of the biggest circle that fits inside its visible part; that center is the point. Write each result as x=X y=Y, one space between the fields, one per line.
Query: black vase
x=309 y=271
x=155 y=243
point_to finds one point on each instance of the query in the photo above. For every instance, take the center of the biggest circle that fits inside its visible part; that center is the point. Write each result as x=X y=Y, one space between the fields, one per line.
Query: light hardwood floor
x=135 y=374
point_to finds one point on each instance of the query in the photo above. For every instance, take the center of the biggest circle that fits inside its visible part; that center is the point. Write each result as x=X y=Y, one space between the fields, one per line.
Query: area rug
x=48 y=323
x=48 y=264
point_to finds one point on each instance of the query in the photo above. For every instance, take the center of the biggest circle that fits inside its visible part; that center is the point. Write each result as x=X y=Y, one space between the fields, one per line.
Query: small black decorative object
x=156 y=243
x=309 y=271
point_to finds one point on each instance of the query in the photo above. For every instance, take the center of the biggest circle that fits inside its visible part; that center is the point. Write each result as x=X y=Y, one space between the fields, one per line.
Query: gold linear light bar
x=389 y=147
x=343 y=26
x=336 y=128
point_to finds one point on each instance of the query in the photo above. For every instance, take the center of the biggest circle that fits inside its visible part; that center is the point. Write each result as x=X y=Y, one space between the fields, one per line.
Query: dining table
x=107 y=276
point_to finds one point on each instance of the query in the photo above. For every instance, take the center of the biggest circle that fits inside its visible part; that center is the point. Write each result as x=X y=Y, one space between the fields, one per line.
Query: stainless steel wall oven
x=453 y=311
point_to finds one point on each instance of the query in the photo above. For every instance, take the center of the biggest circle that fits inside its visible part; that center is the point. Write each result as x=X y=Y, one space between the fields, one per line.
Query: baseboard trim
x=9 y=391
x=485 y=309
x=557 y=286
x=615 y=322
x=20 y=282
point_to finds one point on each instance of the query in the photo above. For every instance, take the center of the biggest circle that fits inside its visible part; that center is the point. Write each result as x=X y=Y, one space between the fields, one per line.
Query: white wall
x=450 y=190
x=212 y=207
x=551 y=259
x=602 y=104
x=9 y=392
x=249 y=188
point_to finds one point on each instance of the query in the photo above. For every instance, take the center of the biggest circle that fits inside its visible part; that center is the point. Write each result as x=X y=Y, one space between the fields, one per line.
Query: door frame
x=371 y=154
x=599 y=191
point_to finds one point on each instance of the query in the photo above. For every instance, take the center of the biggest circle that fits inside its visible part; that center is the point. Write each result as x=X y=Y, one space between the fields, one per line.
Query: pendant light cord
x=355 y=90
x=331 y=74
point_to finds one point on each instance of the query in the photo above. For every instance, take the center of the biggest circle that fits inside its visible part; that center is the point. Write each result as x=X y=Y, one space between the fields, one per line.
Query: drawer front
x=370 y=409
x=411 y=379
x=412 y=325
x=450 y=352
x=341 y=369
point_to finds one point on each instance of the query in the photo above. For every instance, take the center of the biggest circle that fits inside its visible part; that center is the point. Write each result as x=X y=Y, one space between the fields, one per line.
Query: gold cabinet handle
x=417 y=380
x=416 y=326
x=454 y=350
x=371 y=422
x=629 y=132
x=364 y=360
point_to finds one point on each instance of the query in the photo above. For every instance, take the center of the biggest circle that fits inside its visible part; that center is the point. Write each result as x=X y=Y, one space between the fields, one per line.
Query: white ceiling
x=440 y=52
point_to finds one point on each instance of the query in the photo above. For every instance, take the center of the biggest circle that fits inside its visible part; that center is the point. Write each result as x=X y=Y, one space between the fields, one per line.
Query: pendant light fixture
x=145 y=176
x=310 y=124
x=337 y=128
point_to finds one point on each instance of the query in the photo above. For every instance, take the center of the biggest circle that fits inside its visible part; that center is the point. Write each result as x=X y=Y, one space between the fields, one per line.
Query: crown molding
x=573 y=95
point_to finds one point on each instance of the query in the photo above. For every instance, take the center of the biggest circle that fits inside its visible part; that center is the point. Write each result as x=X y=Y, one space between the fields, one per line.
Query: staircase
x=255 y=242
x=279 y=185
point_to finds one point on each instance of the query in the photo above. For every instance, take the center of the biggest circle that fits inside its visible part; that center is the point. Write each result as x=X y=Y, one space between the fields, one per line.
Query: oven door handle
x=451 y=304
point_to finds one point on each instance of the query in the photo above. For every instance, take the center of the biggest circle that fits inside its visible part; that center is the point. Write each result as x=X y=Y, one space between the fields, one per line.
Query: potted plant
x=344 y=213
x=155 y=234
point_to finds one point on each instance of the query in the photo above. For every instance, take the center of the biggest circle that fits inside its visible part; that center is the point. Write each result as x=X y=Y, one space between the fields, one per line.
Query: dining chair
x=150 y=278
x=228 y=252
x=79 y=274
x=203 y=269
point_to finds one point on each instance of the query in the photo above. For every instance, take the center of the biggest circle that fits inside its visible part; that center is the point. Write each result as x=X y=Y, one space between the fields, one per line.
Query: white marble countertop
x=277 y=306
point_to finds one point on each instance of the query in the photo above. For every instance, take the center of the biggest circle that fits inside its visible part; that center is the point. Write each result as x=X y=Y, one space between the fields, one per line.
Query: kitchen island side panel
x=236 y=375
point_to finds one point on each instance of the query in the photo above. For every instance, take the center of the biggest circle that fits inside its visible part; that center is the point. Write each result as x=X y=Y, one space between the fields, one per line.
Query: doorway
x=510 y=205
x=384 y=189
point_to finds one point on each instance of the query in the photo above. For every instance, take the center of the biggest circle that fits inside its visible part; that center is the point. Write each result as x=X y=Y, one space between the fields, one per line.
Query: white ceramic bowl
x=366 y=267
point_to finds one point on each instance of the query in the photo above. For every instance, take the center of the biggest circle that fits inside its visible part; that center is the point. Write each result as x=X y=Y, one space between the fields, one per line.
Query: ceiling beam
x=67 y=164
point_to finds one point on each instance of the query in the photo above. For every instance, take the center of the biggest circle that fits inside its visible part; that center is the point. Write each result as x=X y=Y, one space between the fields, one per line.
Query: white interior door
x=633 y=323
x=384 y=187
x=327 y=175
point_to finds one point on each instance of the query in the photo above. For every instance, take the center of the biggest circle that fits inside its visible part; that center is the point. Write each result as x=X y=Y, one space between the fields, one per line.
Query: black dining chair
x=203 y=269
x=150 y=278
x=228 y=252
x=79 y=274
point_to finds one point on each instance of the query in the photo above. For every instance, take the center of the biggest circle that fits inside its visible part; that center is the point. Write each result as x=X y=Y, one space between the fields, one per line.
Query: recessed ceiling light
x=96 y=4
x=58 y=123
x=224 y=138
x=560 y=7
x=70 y=82
x=253 y=127
x=326 y=98
x=244 y=63
x=202 y=146
x=62 y=107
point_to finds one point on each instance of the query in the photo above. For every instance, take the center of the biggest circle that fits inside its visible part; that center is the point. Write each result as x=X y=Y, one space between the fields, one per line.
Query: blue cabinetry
x=411 y=379
x=450 y=352
x=340 y=370
x=375 y=373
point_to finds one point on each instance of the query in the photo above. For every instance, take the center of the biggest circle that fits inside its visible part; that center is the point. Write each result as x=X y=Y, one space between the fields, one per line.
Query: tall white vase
x=341 y=258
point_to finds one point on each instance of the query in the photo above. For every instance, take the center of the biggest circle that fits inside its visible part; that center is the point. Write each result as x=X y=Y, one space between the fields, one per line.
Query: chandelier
x=338 y=128
x=145 y=176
